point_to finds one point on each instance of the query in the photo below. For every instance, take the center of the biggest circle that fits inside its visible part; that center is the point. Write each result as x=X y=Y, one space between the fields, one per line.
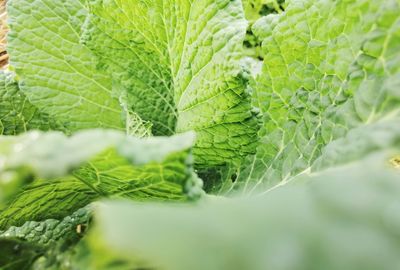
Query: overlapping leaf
x=56 y=73
x=178 y=62
x=90 y=165
x=46 y=233
x=342 y=218
x=17 y=114
x=329 y=67
x=25 y=245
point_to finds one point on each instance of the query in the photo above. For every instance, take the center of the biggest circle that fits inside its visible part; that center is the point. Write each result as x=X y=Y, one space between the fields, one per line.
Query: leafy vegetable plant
x=202 y=134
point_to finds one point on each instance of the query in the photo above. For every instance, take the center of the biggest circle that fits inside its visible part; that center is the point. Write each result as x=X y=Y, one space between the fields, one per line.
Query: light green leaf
x=178 y=62
x=329 y=67
x=343 y=218
x=70 y=172
x=17 y=114
x=56 y=73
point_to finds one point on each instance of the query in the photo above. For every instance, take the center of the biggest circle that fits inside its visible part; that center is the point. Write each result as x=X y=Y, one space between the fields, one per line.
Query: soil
x=3 y=33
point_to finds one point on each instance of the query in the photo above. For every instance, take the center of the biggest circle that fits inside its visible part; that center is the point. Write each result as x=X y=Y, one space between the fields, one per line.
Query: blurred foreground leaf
x=343 y=218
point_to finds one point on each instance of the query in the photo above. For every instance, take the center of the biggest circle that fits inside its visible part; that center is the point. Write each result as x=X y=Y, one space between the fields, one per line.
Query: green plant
x=194 y=145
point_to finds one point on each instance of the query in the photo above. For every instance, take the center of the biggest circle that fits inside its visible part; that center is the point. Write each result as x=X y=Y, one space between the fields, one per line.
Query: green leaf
x=18 y=255
x=51 y=154
x=342 y=218
x=92 y=253
x=43 y=200
x=360 y=142
x=17 y=114
x=49 y=232
x=329 y=67
x=178 y=63
x=48 y=241
x=56 y=73
x=71 y=172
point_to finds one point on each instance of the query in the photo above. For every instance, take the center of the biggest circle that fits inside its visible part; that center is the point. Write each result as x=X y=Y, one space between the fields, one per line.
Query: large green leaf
x=56 y=73
x=178 y=65
x=17 y=114
x=70 y=172
x=329 y=67
x=342 y=218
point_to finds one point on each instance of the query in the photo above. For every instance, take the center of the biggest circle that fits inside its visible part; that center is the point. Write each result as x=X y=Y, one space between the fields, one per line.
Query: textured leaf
x=45 y=240
x=54 y=154
x=17 y=114
x=18 y=255
x=90 y=165
x=56 y=73
x=178 y=62
x=360 y=142
x=46 y=233
x=344 y=218
x=330 y=67
x=43 y=200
